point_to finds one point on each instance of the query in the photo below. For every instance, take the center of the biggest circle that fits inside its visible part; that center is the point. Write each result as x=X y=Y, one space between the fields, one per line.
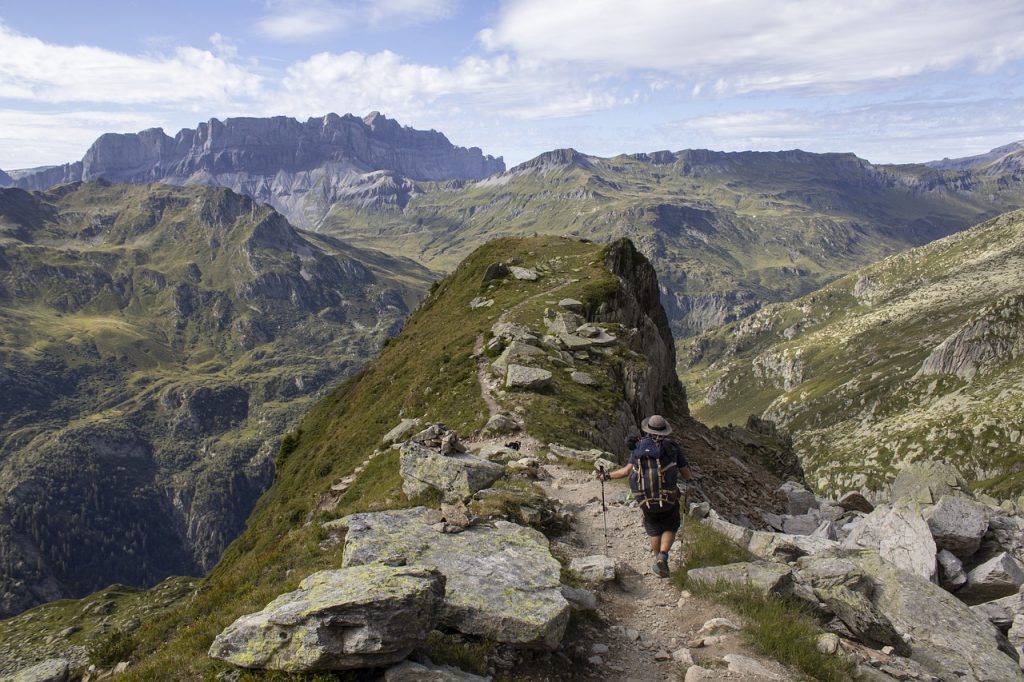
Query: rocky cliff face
x=300 y=168
x=155 y=343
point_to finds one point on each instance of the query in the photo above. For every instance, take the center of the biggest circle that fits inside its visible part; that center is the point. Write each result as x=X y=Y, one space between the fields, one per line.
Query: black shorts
x=656 y=523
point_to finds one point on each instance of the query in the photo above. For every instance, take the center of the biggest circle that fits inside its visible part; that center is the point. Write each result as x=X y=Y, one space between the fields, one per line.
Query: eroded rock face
x=503 y=582
x=356 y=617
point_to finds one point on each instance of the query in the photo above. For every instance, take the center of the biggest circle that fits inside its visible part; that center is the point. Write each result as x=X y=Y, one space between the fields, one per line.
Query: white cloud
x=501 y=86
x=752 y=45
x=33 y=70
x=294 y=20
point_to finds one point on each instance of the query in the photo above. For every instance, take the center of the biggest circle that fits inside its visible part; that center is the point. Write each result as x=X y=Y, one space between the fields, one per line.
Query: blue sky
x=891 y=80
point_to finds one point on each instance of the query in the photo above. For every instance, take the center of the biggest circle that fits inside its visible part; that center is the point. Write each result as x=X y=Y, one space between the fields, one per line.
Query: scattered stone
x=507 y=332
x=696 y=673
x=401 y=431
x=828 y=643
x=928 y=481
x=900 y=535
x=408 y=671
x=957 y=525
x=456 y=476
x=700 y=509
x=599 y=648
x=481 y=302
x=455 y=516
x=496 y=271
x=583 y=378
x=503 y=582
x=1000 y=576
x=596 y=661
x=632 y=635
x=766 y=578
x=571 y=304
x=495 y=452
x=803 y=524
x=528 y=378
x=517 y=352
x=744 y=665
x=951 y=571
x=854 y=501
x=575 y=343
x=682 y=656
x=662 y=655
x=593 y=569
x=51 y=670
x=359 y=617
x=717 y=626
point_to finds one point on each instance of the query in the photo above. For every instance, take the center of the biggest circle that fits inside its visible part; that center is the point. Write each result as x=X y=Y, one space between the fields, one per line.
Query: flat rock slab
x=52 y=670
x=457 y=475
x=593 y=569
x=503 y=582
x=356 y=617
x=403 y=429
x=528 y=378
x=768 y=578
x=571 y=304
x=745 y=665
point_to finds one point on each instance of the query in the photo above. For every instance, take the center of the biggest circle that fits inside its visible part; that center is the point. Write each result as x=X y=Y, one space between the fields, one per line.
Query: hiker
x=654 y=466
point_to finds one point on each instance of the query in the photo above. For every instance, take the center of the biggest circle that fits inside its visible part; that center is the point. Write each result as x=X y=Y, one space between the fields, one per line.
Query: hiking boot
x=661 y=567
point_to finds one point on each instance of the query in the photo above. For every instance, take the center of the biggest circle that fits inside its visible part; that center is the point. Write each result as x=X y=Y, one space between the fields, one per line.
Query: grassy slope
x=426 y=371
x=96 y=348
x=859 y=409
x=740 y=229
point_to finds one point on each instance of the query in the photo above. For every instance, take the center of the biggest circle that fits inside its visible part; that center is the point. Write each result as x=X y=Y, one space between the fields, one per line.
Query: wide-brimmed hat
x=656 y=425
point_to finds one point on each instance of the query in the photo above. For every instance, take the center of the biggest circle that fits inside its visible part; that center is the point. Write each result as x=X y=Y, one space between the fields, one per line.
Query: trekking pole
x=604 y=511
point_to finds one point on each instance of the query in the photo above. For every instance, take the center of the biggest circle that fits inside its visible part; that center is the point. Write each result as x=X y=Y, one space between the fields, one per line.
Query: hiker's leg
x=655 y=544
x=667 y=538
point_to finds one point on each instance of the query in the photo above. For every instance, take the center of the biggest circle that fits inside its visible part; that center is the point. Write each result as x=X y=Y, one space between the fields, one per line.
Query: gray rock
x=571 y=304
x=457 y=476
x=596 y=568
x=946 y=637
x=481 y=302
x=782 y=547
x=827 y=530
x=495 y=452
x=682 y=656
x=583 y=455
x=575 y=343
x=1000 y=576
x=583 y=378
x=559 y=323
x=700 y=510
x=1001 y=612
x=764 y=577
x=928 y=481
x=526 y=378
x=1016 y=638
x=951 y=571
x=957 y=525
x=581 y=599
x=408 y=671
x=516 y=352
x=828 y=643
x=501 y=424
x=496 y=271
x=507 y=332
x=900 y=535
x=357 y=617
x=854 y=501
x=804 y=524
x=798 y=499
x=503 y=582
x=744 y=665
x=51 y=670
x=524 y=274
x=696 y=673
x=402 y=430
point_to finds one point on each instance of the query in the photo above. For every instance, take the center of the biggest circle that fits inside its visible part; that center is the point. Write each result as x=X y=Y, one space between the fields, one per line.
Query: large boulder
x=356 y=617
x=596 y=568
x=945 y=635
x=457 y=475
x=926 y=482
x=799 y=500
x=526 y=378
x=957 y=525
x=516 y=352
x=767 y=578
x=900 y=535
x=1000 y=576
x=51 y=670
x=502 y=584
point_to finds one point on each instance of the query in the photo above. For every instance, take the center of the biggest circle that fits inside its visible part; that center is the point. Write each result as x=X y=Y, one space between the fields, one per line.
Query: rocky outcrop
x=298 y=167
x=52 y=670
x=502 y=582
x=926 y=482
x=993 y=337
x=356 y=617
x=457 y=475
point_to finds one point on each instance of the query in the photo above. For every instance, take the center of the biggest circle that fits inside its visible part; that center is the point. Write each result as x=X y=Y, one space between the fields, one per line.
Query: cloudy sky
x=891 y=80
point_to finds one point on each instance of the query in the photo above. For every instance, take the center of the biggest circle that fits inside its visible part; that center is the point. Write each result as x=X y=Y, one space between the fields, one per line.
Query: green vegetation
x=844 y=369
x=112 y=649
x=463 y=652
x=775 y=627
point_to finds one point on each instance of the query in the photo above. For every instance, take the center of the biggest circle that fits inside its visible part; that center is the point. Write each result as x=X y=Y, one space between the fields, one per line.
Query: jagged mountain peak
x=992 y=156
x=556 y=157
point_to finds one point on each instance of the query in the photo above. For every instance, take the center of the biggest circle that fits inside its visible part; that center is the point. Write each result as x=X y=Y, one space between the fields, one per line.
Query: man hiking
x=655 y=463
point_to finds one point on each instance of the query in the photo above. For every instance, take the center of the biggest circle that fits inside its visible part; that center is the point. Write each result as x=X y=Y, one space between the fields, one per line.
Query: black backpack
x=653 y=481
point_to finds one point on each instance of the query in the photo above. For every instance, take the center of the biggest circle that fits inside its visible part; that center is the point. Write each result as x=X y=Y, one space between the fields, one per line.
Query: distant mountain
x=155 y=343
x=299 y=168
x=728 y=232
x=920 y=356
x=5 y=179
x=1014 y=149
